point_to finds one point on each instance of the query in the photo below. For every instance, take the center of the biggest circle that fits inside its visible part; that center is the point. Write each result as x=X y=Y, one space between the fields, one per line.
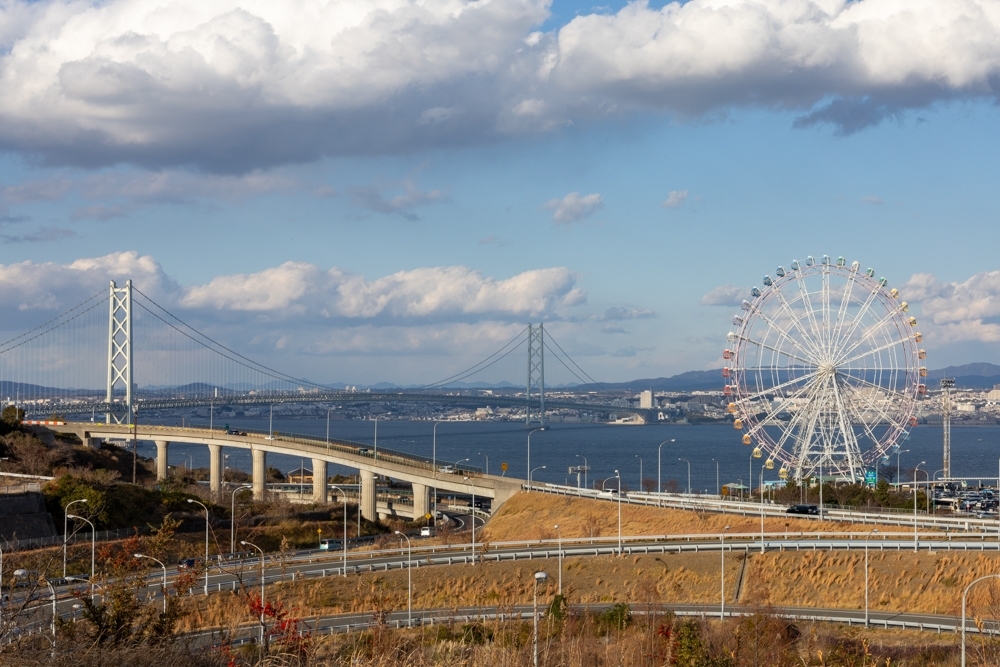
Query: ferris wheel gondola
x=823 y=368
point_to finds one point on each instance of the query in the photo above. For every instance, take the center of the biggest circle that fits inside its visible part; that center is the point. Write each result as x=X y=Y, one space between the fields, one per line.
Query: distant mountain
x=969 y=376
x=689 y=381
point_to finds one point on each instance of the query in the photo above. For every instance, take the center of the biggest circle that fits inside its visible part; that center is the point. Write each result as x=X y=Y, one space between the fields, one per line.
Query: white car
x=426 y=532
x=447 y=469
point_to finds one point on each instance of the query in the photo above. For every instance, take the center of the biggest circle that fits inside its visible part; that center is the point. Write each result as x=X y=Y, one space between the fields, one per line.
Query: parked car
x=803 y=509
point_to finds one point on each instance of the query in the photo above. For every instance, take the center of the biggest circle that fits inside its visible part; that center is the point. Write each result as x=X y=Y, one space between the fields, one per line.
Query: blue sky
x=605 y=188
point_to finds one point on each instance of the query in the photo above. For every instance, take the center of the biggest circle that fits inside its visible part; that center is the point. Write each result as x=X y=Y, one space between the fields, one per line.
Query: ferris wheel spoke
x=777 y=387
x=859 y=316
x=827 y=340
x=874 y=350
x=845 y=303
x=846 y=428
x=776 y=409
x=777 y=350
x=891 y=423
x=873 y=331
x=810 y=312
x=784 y=333
x=794 y=319
x=888 y=390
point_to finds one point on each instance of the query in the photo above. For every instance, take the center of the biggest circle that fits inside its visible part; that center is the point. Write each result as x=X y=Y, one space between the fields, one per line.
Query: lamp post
x=965 y=593
x=434 y=450
x=66 y=528
x=375 y=454
x=915 y=503
x=164 y=577
x=473 y=515
x=689 y=474
x=529 y=454
x=659 y=466
x=718 y=488
x=531 y=471
x=873 y=530
x=619 y=478
x=270 y=424
x=93 y=545
x=559 y=538
x=250 y=544
x=24 y=573
x=192 y=500
x=409 y=580
x=898 y=452
x=539 y=576
x=640 y=472
x=328 y=428
x=586 y=467
x=232 y=520
x=343 y=497
x=722 y=570
x=487 y=462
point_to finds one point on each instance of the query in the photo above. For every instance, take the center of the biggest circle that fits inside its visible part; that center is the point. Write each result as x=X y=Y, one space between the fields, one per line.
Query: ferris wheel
x=824 y=369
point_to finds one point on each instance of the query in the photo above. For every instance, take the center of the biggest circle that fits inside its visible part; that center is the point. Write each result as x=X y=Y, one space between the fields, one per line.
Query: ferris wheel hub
x=826 y=369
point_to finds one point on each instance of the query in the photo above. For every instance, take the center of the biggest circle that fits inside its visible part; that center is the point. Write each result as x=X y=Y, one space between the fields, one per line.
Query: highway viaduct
x=417 y=471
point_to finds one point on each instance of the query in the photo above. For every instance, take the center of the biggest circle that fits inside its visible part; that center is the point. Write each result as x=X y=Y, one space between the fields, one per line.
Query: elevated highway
x=418 y=471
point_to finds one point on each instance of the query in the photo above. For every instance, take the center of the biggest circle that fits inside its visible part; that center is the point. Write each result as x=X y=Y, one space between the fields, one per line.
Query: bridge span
x=418 y=471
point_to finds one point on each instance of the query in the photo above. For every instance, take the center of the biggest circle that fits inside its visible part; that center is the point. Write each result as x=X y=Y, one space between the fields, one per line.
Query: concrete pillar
x=259 y=474
x=161 y=459
x=421 y=501
x=215 y=471
x=368 y=495
x=319 y=481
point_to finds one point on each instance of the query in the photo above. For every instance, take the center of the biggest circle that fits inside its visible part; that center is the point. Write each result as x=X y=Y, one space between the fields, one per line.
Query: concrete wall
x=23 y=516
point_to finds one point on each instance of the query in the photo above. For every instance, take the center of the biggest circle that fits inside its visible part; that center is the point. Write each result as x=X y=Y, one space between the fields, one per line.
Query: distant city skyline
x=336 y=194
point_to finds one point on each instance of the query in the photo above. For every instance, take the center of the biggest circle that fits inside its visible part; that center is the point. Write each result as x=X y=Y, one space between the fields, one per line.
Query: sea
x=715 y=452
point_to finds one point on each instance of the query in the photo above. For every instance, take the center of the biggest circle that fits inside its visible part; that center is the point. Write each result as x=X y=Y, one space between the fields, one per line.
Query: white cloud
x=725 y=295
x=232 y=86
x=675 y=198
x=573 y=207
x=373 y=198
x=953 y=312
x=872 y=199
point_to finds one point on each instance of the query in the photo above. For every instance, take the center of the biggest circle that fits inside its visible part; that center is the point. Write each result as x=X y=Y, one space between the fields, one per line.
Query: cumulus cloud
x=675 y=198
x=619 y=313
x=231 y=87
x=725 y=295
x=957 y=311
x=573 y=207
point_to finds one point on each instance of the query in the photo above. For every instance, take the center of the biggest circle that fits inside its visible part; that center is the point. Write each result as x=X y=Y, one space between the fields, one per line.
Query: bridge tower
x=536 y=372
x=120 y=354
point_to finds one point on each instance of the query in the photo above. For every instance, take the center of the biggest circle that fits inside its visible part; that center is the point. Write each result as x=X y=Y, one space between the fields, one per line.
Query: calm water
x=975 y=450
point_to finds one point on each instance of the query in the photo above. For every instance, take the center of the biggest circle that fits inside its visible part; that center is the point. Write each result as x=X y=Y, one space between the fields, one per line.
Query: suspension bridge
x=120 y=354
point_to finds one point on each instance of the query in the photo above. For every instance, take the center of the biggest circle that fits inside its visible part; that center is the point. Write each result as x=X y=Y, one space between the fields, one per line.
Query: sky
x=389 y=190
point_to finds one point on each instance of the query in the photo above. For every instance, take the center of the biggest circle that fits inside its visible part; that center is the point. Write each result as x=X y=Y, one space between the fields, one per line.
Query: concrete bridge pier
x=161 y=459
x=259 y=473
x=214 y=471
x=421 y=501
x=319 y=481
x=368 y=493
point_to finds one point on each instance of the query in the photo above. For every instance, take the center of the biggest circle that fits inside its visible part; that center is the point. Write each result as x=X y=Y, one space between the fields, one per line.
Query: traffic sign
x=427 y=516
x=503 y=466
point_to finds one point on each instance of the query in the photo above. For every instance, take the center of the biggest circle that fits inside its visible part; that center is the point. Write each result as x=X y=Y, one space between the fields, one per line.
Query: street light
x=640 y=472
x=487 y=462
x=328 y=428
x=250 y=544
x=873 y=530
x=586 y=467
x=529 y=454
x=559 y=538
x=164 y=578
x=192 y=500
x=915 y=503
x=964 y=594
x=270 y=424
x=722 y=570
x=232 y=520
x=473 y=515
x=435 y=465
x=689 y=474
x=539 y=576
x=93 y=544
x=619 y=478
x=409 y=580
x=343 y=497
x=718 y=488
x=898 y=452
x=375 y=455
x=24 y=573
x=66 y=527
x=529 y=475
x=659 y=467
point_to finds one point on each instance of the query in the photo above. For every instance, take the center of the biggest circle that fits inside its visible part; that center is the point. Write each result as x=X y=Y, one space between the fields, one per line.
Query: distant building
x=646 y=399
x=995 y=394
